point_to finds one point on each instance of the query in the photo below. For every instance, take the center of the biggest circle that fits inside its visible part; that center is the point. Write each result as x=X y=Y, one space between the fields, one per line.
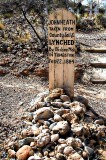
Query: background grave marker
x=61 y=45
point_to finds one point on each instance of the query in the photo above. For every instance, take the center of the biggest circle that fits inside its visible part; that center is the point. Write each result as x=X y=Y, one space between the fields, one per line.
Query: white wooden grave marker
x=61 y=45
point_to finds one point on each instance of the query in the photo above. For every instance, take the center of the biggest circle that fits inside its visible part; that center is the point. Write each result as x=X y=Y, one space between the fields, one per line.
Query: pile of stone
x=59 y=129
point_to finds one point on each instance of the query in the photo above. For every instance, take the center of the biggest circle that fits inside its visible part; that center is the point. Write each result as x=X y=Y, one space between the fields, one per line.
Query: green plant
x=98 y=19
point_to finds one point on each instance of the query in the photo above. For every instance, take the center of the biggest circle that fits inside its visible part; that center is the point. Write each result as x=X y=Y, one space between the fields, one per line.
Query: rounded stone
x=71 y=117
x=54 y=137
x=30 y=116
x=60 y=156
x=51 y=154
x=26 y=141
x=36 y=130
x=75 y=156
x=62 y=141
x=45 y=130
x=57 y=118
x=45 y=153
x=57 y=100
x=78 y=108
x=61 y=148
x=11 y=153
x=43 y=139
x=57 y=104
x=24 y=152
x=43 y=113
x=62 y=111
x=26 y=133
x=65 y=98
x=84 y=154
x=61 y=127
x=89 y=150
x=68 y=150
x=58 y=90
x=40 y=105
x=74 y=142
x=77 y=129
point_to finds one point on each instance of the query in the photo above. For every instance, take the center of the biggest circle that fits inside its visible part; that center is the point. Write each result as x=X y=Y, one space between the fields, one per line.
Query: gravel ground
x=15 y=96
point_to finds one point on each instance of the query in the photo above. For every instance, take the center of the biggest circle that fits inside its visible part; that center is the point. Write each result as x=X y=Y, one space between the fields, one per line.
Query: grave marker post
x=61 y=46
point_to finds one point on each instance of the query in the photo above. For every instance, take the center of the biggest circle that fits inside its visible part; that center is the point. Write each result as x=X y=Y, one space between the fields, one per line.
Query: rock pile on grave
x=59 y=129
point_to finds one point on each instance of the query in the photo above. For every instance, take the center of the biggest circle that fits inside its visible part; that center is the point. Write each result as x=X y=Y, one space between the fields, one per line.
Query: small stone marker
x=61 y=45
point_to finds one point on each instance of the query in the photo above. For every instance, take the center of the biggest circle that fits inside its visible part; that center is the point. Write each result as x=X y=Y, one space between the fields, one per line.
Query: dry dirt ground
x=17 y=92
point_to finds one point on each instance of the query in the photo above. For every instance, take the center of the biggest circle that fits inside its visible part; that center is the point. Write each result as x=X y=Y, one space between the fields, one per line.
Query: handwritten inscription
x=62 y=22
x=61 y=37
x=59 y=61
x=61 y=40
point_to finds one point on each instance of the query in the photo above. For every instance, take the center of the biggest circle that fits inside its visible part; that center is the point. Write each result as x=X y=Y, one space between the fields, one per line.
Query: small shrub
x=98 y=19
x=7 y=15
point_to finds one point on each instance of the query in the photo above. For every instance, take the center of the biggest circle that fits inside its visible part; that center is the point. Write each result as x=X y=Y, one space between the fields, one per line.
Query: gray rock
x=61 y=127
x=45 y=131
x=66 y=104
x=54 y=137
x=36 y=130
x=46 y=123
x=11 y=153
x=42 y=139
x=57 y=100
x=52 y=125
x=57 y=104
x=62 y=111
x=78 y=108
x=60 y=148
x=30 y=116
x=57 y=118
x=62 y=141
x=43 y=113
x=58 y=90
x=89 y=150
x=65 y=98
x=40 y=105
x=70 y=141
x=51 y=154
x=60 y=156
x=27 y=133
x=71 y=117
x=38 y=98
x=68 y=150
x=74 y=142
x=26 y=141
x=77 y=129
